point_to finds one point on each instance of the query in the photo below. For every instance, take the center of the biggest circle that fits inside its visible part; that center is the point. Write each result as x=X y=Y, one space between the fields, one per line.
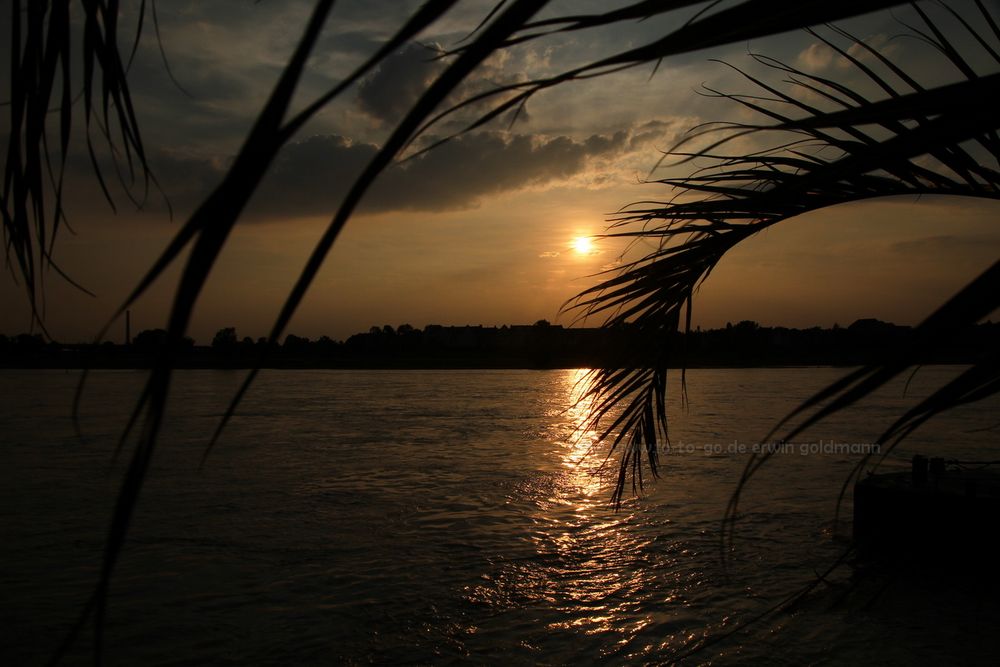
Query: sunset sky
x=486 y=229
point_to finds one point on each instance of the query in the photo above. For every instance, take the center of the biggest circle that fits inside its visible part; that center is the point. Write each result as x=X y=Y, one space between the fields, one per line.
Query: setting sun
x=583 y=245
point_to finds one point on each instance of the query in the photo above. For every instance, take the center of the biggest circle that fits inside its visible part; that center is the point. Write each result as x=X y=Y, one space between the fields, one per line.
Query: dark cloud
x=350 y=42
x=311 y=176
x=400 y=80
x=462 y=171
x=397 y=82
x=187 y=179
x=180 y=179
x=651 y=132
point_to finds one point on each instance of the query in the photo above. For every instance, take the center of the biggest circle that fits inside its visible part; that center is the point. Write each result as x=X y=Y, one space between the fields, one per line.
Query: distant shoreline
x=538 y=346
x=412 y=366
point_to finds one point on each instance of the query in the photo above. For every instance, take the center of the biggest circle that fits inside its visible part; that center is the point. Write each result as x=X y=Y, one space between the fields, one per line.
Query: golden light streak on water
x=589 y=550
x=580 y=454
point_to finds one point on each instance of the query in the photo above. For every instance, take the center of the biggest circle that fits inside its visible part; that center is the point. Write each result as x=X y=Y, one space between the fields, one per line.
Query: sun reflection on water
x=580 y=445
x=604 y=578
x=593 y=567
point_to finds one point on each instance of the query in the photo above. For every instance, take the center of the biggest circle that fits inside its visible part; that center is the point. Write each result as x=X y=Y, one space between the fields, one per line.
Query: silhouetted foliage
x=295 y=343
x=521 y=346
x=224 y=339
x=150 y=338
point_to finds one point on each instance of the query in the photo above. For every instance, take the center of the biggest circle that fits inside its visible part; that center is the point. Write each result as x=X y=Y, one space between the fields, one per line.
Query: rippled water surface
x=455 y=516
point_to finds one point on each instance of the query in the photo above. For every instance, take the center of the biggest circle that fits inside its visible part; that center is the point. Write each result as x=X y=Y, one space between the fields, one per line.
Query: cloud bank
x=310 y=177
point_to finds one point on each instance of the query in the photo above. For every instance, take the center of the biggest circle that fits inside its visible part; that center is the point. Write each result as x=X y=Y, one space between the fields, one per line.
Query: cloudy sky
x=486 y=228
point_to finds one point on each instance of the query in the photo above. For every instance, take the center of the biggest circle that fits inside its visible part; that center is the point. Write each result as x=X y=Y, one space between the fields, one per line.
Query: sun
x=583 y=245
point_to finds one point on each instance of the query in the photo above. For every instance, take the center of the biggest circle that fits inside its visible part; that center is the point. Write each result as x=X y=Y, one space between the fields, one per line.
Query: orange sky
x=481 y=231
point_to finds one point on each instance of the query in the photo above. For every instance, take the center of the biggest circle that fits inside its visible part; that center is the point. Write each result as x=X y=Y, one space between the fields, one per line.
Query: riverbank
x=538 y=346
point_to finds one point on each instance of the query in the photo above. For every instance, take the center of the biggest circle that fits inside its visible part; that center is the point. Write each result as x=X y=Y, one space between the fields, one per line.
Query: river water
x=457 y=517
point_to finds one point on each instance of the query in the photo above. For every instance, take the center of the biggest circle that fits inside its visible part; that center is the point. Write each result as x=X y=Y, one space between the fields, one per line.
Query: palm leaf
x=210 y=226
x=737 y=195
x=40 y=60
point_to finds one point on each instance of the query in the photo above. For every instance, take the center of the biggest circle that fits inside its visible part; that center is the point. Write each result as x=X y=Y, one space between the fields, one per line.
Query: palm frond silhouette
x=845 y=147
x=42 y=59
x=833 y=146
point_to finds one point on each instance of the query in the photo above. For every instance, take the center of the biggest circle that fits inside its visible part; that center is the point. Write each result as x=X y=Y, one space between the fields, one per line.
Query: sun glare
x=583 y=245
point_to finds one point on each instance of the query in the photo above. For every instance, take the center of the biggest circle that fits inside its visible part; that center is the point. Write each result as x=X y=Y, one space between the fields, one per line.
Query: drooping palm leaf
x=41 y=78
x=208 y=229
x=917 y=140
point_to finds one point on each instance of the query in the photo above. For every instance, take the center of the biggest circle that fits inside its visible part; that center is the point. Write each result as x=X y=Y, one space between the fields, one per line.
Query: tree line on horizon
x=539 y=345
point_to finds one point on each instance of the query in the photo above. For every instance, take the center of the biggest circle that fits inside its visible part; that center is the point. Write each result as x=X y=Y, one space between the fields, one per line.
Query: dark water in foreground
x=446 y=516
